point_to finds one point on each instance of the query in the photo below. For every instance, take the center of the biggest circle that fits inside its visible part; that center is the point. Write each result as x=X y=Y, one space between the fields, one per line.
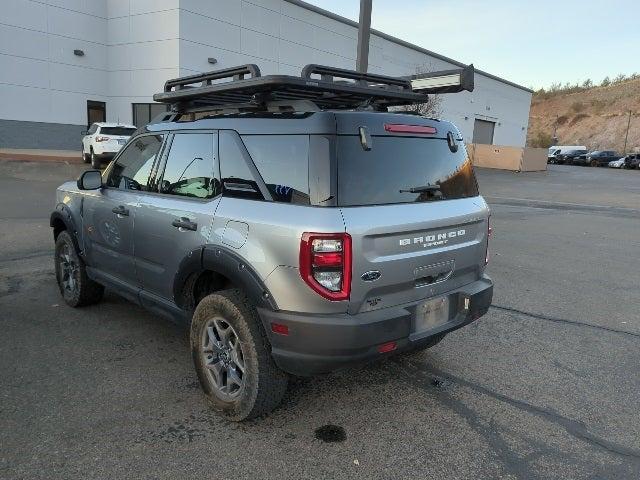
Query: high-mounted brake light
x=419 y=129
x=325 y=264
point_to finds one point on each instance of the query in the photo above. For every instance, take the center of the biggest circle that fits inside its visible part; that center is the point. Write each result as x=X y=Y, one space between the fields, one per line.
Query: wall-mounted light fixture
x=466 y=118
x=79 y=53
x=212 y=60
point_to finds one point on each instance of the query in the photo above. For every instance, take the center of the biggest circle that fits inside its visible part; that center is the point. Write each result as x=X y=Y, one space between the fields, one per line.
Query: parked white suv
x=103 y=140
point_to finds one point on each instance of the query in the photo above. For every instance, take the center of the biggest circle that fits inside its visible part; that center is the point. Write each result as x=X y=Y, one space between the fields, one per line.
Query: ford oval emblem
x=370 y=276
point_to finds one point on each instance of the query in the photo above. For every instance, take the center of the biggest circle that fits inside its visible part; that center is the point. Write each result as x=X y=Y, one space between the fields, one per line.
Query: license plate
x=430 y=314
x=122 y=142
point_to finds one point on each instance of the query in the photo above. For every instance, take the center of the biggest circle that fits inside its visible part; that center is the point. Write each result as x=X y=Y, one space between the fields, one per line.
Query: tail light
x=102 y=139
x=325 y=264
x=489 y=232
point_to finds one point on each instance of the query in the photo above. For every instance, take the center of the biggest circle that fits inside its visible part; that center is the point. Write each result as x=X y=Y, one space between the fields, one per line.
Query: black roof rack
x=243 y=88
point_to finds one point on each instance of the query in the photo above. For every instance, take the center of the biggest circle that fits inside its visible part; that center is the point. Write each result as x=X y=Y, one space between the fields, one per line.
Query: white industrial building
x=66 y=63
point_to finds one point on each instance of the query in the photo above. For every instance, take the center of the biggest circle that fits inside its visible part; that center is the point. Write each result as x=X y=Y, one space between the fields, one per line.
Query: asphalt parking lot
x=546 y=385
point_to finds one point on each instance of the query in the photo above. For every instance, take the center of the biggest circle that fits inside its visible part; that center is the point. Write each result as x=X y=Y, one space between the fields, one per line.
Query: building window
x=143 y=113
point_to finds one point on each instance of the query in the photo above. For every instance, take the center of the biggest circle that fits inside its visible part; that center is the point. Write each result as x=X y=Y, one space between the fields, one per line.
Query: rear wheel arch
x=208 y=269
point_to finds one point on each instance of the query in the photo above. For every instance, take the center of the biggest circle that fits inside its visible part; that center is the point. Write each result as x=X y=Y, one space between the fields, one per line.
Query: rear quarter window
x=283 y=163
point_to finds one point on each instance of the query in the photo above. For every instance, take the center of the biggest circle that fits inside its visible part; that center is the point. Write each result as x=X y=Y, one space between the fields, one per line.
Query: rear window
x=120 y=131
x=395 y=165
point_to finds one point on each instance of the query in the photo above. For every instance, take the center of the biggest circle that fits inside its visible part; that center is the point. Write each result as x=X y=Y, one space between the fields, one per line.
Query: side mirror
x=90 y=180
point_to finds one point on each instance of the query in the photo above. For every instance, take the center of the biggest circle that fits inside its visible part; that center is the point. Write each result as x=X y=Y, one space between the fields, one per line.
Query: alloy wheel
x=69 y=270
x=223 y=358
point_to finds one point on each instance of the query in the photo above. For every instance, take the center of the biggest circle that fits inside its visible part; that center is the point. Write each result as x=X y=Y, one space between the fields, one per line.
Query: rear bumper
x=322 y=343
x=104 y=155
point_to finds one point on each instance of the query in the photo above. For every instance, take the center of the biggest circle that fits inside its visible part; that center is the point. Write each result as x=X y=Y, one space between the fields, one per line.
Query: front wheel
x=593 y=163
x=232 y=357
x=76 y=287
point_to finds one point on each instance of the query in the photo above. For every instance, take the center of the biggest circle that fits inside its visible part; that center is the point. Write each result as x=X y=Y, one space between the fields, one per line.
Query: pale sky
x=532 y=43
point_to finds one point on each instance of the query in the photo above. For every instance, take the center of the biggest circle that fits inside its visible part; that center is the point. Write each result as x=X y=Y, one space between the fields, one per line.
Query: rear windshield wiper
x=421 y=189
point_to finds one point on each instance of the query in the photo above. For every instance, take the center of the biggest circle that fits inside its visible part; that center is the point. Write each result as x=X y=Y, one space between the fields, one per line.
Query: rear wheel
x=593 y=163
x=95 y=161
x=85 y=158
x=76 y=287
x=232 y=357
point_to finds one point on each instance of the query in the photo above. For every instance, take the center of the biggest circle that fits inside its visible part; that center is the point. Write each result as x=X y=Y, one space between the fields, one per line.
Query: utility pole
x=364 y=30
x=626 y=137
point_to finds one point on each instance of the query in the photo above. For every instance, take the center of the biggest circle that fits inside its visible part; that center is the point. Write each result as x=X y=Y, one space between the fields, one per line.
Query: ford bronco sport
x=295 y=223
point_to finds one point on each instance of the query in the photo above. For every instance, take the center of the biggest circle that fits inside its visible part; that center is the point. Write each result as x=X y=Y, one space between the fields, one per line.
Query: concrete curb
x=44 y=156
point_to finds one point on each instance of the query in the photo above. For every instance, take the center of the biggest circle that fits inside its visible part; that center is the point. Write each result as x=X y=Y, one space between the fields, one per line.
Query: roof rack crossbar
x=234 y=73
x=328 y=74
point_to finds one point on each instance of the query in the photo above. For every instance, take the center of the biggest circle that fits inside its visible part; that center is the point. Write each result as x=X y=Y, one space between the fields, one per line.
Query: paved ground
x=546 y=385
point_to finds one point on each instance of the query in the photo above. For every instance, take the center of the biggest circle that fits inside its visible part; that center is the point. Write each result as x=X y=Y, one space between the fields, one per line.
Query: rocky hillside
x=596 y=117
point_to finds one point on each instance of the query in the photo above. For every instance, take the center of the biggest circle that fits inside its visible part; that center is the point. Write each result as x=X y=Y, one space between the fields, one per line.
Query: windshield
x=120 y=131
x=402 y=170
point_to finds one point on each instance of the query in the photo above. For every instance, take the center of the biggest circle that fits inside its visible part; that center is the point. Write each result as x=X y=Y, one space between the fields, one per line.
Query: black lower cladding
x=323 y=343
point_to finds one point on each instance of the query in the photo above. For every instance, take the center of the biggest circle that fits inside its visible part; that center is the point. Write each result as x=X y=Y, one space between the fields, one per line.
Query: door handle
x=120 y=210
x=185 y=224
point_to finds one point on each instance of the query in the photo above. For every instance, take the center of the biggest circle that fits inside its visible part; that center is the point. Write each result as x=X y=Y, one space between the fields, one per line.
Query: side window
x=237 y=179
x=92 y=129
x=190 y=170
x=283 y=163
x=131 y=169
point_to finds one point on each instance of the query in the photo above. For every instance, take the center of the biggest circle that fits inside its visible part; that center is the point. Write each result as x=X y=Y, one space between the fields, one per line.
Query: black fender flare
x=226 y=262
x=63 y=213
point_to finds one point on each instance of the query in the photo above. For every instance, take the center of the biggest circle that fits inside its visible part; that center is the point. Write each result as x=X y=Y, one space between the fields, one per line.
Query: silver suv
x=292 y=242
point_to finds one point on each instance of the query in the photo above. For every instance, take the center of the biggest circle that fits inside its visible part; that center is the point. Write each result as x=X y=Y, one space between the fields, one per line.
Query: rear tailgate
x=410 y=202
x=419 y=250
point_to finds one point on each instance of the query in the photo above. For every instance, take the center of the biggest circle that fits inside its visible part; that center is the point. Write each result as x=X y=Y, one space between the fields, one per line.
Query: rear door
x=412 y=207
x=176 y=217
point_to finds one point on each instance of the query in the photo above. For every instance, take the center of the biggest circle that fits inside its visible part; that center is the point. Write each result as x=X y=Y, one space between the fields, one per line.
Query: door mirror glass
x=90 y=180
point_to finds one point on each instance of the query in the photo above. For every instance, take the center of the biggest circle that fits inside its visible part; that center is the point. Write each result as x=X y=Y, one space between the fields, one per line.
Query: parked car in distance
x=617 y=163
x=632 y=161
x=572 y=155
x=556 y=152
x=552 y=156
x=103 y=140
x=600 y=158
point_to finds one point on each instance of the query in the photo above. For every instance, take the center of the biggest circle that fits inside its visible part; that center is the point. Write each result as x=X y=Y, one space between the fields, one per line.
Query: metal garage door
x=483 y=132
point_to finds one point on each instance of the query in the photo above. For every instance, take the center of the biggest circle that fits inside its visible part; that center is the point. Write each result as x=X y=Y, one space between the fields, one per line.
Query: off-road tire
x=264 y=384
x=87 y=291
x=96 y=163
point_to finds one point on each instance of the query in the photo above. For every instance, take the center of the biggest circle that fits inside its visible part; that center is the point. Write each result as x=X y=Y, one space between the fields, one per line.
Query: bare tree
x=432 y=108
